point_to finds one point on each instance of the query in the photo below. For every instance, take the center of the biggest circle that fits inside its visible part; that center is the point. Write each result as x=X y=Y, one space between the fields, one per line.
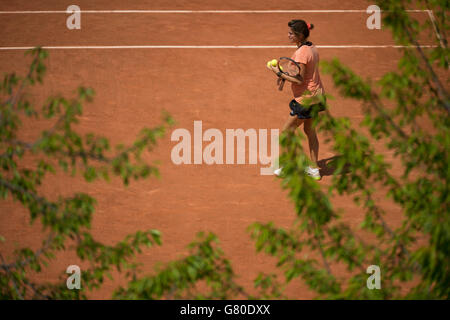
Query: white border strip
x=214 y=47
x=193 y=11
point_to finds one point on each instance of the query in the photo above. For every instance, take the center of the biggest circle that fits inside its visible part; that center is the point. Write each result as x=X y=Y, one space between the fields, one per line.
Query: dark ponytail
x=300 y=27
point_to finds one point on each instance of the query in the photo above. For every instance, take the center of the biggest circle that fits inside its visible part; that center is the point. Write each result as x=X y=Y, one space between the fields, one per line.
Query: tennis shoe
x=313 y=173
x=278 y=172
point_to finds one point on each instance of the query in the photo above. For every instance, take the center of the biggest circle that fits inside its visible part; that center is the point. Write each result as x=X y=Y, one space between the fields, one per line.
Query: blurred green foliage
x=66 y=221
x=407 y=110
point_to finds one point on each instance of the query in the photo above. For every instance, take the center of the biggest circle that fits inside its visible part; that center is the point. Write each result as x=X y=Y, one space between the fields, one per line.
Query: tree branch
x=16 y=289
x=319 y=245
x=405 y=251
x=443 y=95
x=24 y=263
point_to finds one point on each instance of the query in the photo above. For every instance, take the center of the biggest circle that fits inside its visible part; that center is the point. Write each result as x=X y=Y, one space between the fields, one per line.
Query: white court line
x=215 y=47
x=206 y=47
x=433 y=22
x=192 y=11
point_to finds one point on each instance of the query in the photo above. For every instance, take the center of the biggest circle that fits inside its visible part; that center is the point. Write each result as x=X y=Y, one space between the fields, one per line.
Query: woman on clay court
x=306 y=85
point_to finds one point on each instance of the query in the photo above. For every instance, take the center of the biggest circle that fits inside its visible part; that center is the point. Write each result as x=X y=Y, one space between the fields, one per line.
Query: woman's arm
x=297 y=80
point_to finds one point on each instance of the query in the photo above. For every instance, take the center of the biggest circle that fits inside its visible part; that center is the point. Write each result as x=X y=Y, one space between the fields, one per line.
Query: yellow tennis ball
x=274 y=62
x=281 y=68
x=269 y=63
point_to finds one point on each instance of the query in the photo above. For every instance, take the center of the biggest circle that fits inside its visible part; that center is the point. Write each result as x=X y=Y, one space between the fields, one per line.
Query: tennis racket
x=288 y=67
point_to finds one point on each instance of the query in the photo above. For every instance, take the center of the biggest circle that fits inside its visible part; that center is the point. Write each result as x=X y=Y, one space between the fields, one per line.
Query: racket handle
x=280 y=87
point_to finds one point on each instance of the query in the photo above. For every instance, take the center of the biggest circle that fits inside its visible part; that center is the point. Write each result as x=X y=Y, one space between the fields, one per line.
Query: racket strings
x=288 y=67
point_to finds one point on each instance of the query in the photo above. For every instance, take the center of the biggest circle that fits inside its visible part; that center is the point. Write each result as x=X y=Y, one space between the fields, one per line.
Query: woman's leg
x=292 y=123
x=312 y=140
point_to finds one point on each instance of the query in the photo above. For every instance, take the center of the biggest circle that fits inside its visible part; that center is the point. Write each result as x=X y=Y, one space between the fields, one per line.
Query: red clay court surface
x=133 y=86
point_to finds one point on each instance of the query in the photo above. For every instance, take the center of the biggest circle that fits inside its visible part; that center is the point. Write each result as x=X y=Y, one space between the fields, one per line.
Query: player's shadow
x=328 y=166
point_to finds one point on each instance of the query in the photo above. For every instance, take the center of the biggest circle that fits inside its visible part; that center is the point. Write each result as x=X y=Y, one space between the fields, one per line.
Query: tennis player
x=306 y=86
